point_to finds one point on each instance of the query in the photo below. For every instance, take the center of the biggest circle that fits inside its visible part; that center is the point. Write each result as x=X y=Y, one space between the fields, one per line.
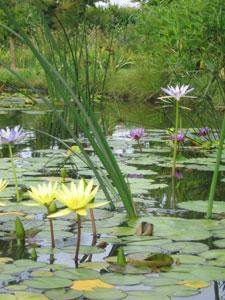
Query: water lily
x=179 y=137
x=77 y=199
x=203 y=131
x=45 y=194
x=3 y=184
x=72 y=150
x=12 y=135
x=137 y=133
x=176 y=92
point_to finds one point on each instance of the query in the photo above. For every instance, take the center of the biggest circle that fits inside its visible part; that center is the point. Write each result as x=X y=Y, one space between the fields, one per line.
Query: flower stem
x=139 y=145
x=14 y=173
x=175 y=141
x=93 y=224
x=216 y=171
x=52 y=233
x=78 y=241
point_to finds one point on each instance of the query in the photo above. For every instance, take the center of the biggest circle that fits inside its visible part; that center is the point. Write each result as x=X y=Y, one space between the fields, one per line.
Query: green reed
x=66 y=86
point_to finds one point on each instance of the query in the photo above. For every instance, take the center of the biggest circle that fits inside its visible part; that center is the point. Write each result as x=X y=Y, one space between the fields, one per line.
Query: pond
x=176 y=208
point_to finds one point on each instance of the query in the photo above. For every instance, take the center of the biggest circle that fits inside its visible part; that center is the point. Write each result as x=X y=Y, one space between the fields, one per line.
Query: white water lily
x=177 y=92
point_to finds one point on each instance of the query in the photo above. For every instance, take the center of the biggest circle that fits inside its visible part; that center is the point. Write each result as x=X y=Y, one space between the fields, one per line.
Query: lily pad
x=202 y=206
x=61 y=294
x=52 y=283
x=102 y=294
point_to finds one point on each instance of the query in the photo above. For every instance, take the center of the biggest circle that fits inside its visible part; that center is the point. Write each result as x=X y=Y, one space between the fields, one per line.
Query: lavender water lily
x=136 y=134
x=10 y=136
x=177 y=92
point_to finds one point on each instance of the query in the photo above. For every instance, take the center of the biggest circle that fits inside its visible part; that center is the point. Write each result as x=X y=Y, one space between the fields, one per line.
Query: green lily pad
x=29 y=296
x=185 y=247
x=213 y=254
x=147 y=295
x=51 y=283
x=159 y=281
x=220 y=243
x=81 y=274
x=16 y=287
x=61 y=294
x=202 y=206
x=119 y=279
x=188 y=259
x=7 y=296
x=103 y=293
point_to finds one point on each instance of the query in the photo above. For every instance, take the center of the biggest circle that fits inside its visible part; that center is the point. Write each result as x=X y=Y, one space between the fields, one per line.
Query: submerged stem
x=139 y=145
x=52 y=233
x=175 y=141
x=78 y=241
x=14 y=172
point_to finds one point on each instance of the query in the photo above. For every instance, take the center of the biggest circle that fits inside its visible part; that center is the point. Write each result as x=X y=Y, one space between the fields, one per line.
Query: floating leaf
x=50 y=283
x=90 y=285
x=194 y=284
x=61 y=294
x=105 y=293
x=202 y=206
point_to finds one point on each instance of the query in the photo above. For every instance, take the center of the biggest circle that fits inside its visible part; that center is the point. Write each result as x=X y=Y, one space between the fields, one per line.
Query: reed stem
x=216 y=171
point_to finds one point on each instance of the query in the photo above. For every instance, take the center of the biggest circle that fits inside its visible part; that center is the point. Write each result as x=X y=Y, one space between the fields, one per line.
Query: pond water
x=180 y=230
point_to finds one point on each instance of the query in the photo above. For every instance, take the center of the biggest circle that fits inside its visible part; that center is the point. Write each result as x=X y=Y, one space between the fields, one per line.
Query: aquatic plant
x=45 y=195
x=11 y=136
x=176 y=93
x=77 y=199
x=136 y=134
x=3 y=184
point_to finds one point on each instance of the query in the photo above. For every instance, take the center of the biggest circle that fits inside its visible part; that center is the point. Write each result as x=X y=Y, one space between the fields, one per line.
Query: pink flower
x=137 y=133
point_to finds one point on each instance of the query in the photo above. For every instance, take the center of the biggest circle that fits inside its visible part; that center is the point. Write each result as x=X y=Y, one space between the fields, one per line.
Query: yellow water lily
x=3 y=184
x=73 y=149
x=77 y=198
x=44 y=194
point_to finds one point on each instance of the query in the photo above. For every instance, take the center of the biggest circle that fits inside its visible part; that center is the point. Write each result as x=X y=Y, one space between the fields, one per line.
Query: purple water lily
x=176 y=92
x=12 y=135
x=137 y=133
x=180 y=137
x=203 y=131
x=179 y=174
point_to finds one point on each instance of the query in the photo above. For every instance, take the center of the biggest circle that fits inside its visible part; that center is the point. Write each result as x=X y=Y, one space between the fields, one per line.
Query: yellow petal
x=61 y=213
x=90 y=285
x=81 y=211
x=98 y=204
